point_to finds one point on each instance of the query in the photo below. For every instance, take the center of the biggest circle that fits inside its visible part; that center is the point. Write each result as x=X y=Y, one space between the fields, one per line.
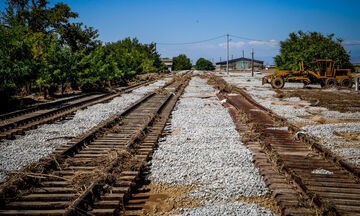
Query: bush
x=203 y=64
x=181 y=62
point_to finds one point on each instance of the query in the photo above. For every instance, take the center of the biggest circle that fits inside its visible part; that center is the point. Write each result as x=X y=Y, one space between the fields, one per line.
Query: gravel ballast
x=205 y=151
x=38 y=143
x=226 y=208
x=294 y=110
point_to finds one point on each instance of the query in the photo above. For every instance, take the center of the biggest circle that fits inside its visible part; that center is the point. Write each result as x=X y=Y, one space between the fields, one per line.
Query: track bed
x=95 y=174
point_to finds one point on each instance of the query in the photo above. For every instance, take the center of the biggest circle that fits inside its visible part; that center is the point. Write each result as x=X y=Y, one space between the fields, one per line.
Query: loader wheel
x=346 y=82
x=278 y=83
x=330 y=82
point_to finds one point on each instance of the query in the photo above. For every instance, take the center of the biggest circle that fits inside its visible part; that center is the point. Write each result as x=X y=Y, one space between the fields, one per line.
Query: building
x=357 y=68
x=240 y=64
x=168 y=62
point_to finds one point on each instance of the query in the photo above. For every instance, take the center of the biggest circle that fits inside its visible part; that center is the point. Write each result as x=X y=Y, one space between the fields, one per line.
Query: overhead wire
x=194 y=42
x=245 y=38
x=210 y=39
x=235 y=36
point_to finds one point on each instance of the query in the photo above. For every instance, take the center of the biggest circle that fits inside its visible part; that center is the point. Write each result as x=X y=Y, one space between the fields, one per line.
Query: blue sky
x=193 y=20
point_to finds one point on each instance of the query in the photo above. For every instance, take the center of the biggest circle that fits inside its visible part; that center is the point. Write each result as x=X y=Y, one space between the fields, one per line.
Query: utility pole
x=227 y=54
x=232 y=56
x=252 y=62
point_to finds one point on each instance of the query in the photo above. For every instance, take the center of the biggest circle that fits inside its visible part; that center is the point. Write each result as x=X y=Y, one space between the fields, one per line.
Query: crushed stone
x=38 y=143
x=206 y=152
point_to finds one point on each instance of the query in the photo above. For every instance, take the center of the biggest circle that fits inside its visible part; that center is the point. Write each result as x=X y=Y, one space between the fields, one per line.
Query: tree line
x=181 y=62
x=40 y=46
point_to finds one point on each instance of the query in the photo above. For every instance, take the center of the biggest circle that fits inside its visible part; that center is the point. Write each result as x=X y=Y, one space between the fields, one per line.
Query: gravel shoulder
x=330 y=115
x=204 y=152
x=38 y=143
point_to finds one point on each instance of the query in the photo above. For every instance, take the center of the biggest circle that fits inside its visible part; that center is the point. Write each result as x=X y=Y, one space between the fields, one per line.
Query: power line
x=231 y=35
x=210 y=39
x=245 y=38
x=194 y=42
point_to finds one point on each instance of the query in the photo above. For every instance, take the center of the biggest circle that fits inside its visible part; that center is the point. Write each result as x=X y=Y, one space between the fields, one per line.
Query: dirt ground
x=164 y=199
x=342 y=100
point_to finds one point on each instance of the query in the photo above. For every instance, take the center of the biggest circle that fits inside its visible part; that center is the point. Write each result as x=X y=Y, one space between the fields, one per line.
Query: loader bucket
x=265 y=80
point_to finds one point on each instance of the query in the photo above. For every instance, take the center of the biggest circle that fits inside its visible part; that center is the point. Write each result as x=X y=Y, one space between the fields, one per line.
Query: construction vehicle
x=325 y=74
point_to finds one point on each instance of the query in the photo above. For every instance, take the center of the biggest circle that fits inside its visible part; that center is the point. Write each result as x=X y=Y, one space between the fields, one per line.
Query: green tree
x=308 y=46
x=96 y=69
x=203 y=64
x=58 y=67
x=36 y=15
x=78 y=37
x=16 y=66
x=135 y=58
x=181 y=62
x=39 y=45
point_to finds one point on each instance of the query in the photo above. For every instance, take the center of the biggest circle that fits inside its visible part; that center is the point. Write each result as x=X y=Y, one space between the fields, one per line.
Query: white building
x=168 y=62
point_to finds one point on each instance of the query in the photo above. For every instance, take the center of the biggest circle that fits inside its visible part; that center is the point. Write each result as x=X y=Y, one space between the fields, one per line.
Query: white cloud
x=351 y=42
x=233 y=44
x=271 y=43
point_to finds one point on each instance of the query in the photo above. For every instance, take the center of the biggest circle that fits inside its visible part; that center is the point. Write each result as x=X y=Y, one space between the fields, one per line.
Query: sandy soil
x=164 y=199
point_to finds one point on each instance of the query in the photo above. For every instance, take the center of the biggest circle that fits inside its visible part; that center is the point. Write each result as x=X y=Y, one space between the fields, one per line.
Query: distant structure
x=239 y=64
x=357 y=67
x=168 y=62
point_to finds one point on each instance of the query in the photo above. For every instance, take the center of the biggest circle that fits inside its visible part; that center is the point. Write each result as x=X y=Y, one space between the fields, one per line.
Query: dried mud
x=340 y=100
x=164 y=199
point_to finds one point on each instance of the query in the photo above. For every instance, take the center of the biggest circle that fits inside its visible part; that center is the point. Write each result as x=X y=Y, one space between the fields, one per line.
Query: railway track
x=304 y=178
x=16 y=123
x=95 y=174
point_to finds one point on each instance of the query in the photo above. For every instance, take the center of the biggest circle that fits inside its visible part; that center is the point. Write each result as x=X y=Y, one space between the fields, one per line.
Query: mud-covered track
x=16 y=123
x=109 y=158
x=304 y=180
x=41 y=106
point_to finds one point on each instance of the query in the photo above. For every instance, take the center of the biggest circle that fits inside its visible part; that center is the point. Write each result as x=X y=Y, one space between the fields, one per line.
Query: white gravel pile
x=14 y=154
x=322 y=171
x=226 y=208
x=338 y=115
x=327 y=130
x=335 y=143
x=289 y=112
x=205 y=151
x=351 y=154
x=292 y=99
